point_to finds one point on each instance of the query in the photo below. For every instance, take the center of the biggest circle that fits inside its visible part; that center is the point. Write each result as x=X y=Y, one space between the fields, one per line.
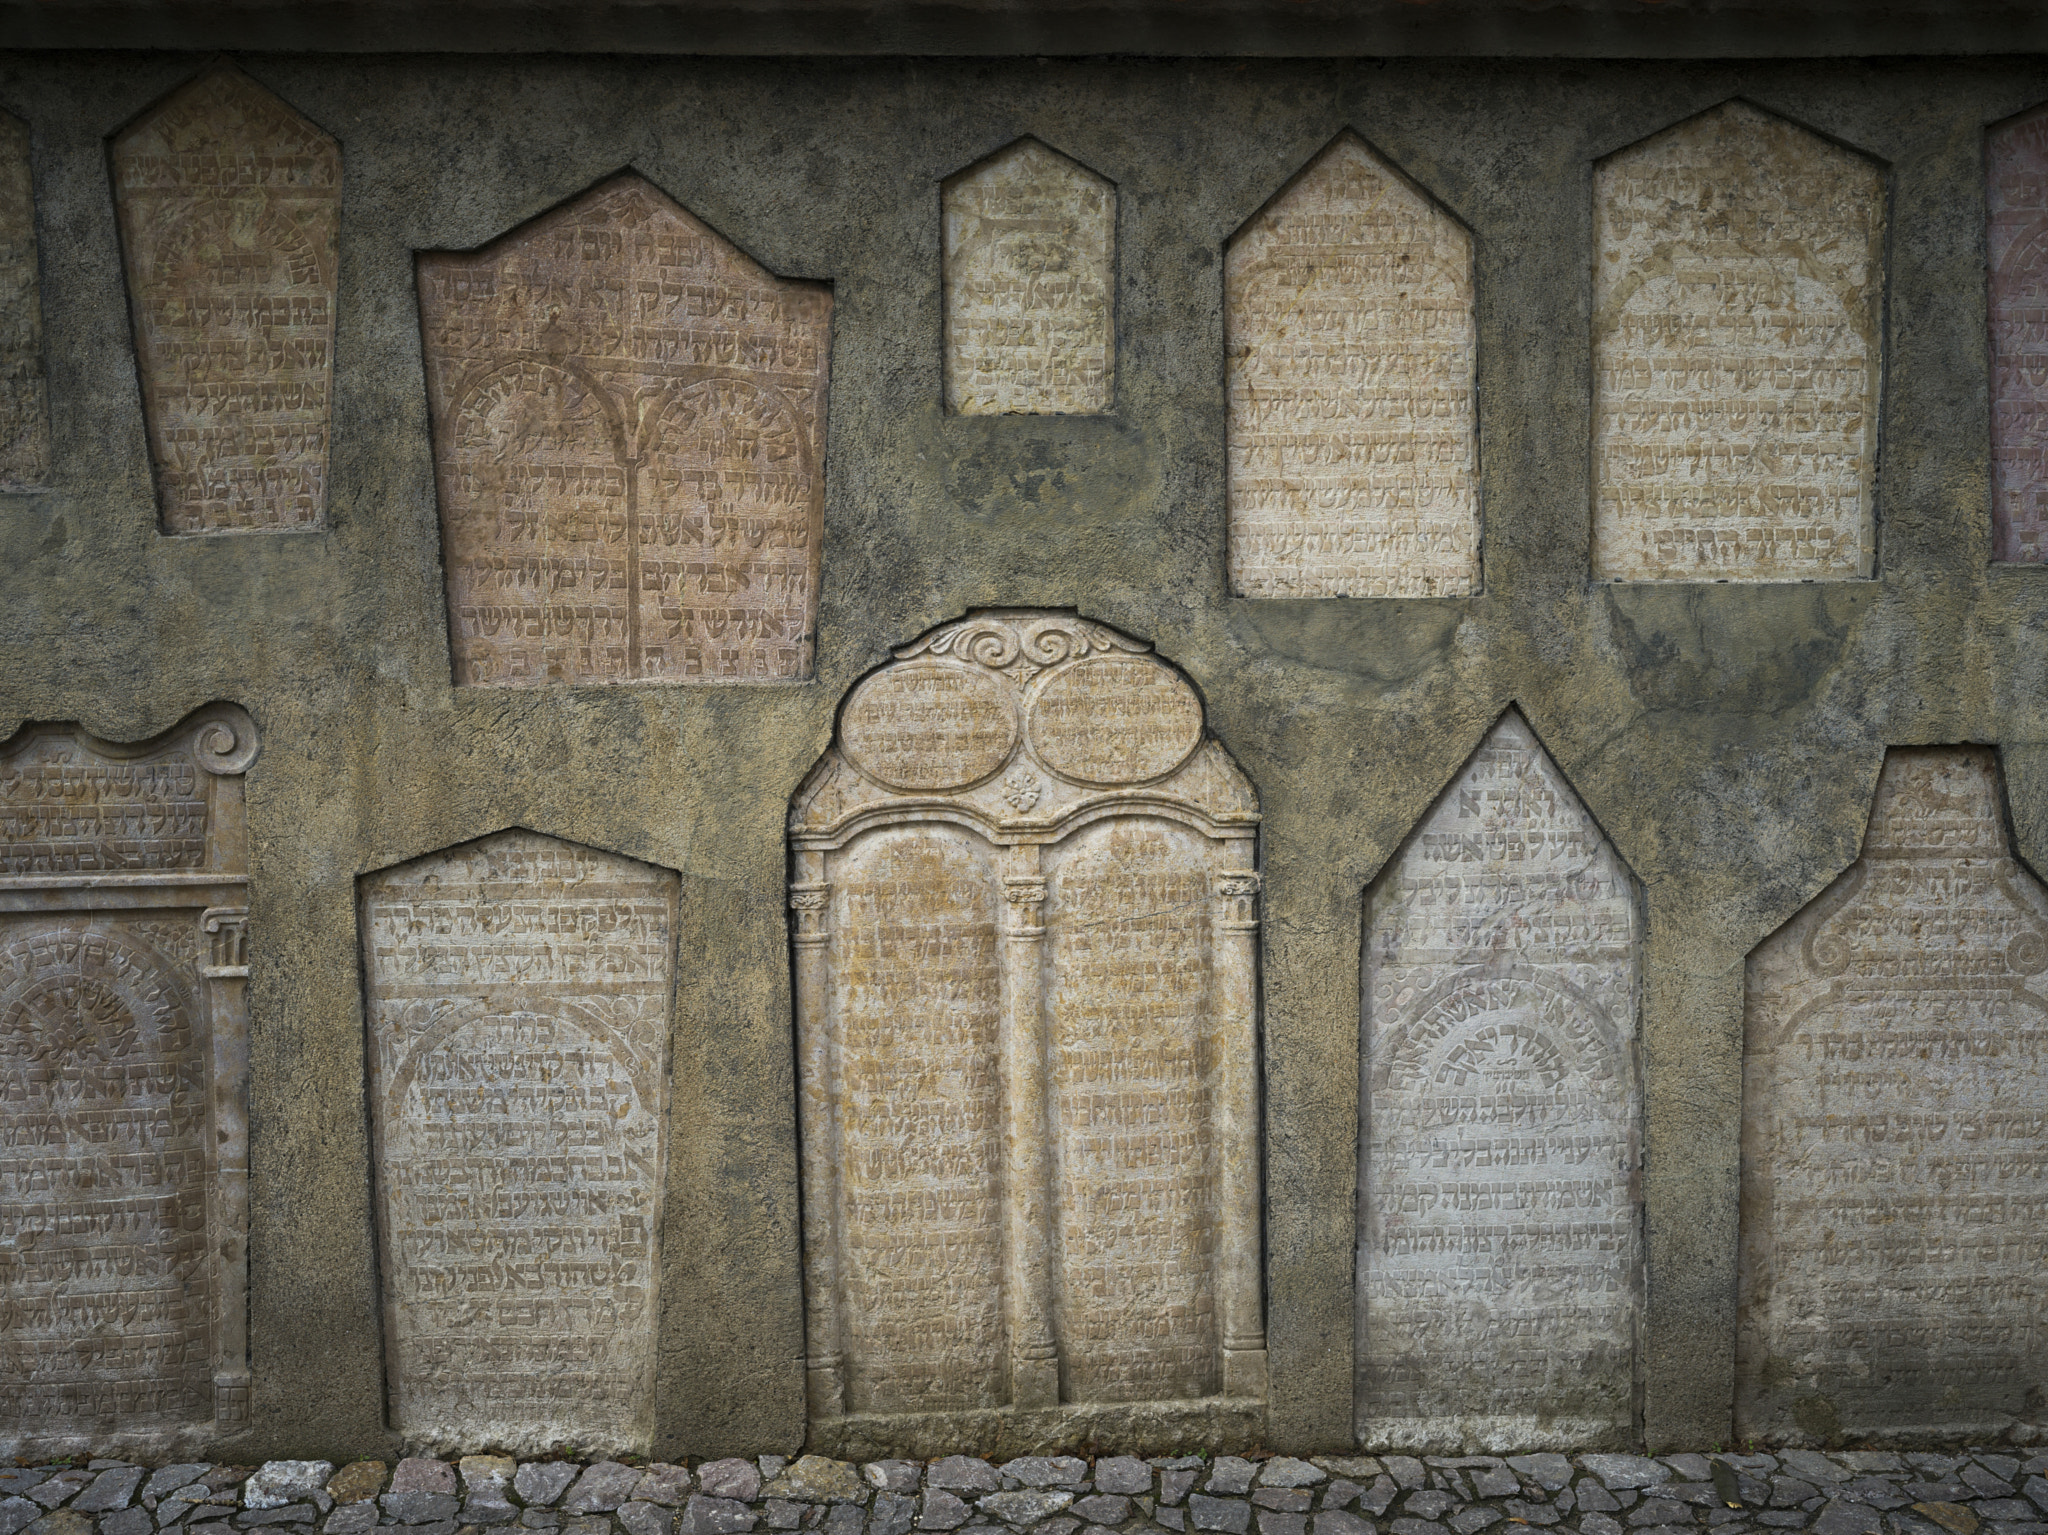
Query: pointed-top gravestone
x=1353 y=446
x=1500 y=1256
x=1030 y=270
x=230 y=209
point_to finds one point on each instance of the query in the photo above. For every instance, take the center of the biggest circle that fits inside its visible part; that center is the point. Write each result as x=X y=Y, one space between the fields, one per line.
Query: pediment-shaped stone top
x=222 y=116
x=1027 y=160
x=1020 y=721
x=1773 y=150
x=628 y=221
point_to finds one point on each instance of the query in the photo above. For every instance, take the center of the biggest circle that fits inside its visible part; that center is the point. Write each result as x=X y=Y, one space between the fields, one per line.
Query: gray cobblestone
x=18 y=1513
x=1226 y=1514
x=894 y=1512
x=126 y=1521
x=1231 y=1475
x=1122 y=1474
x=1335 y=1521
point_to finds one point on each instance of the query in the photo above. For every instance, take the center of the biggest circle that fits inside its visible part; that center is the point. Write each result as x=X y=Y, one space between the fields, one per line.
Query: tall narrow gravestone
x=2016 y=190
x=1738 y=299
x=629 y=438
x=1030 y=278
x=1351 y=377
x=519 y=995
x=230 y=214
x=24 y=401
x=1894 y=1275
x=1500 y=1251
x=1026 y=945
x=124 y=1037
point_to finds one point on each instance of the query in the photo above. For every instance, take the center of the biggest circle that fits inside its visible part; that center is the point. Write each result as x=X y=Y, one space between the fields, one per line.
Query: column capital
x=1237 y=899
x=1025 y=894
x=811 y=901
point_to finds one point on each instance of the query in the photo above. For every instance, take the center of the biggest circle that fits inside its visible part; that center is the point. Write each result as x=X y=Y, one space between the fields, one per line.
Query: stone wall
x=939 y=769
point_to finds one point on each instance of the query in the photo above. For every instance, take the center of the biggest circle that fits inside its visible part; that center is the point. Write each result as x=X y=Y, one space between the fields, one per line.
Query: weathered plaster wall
x=1726 y=738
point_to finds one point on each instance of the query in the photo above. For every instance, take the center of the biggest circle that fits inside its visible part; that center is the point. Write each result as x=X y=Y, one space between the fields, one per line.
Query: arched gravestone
x=2016 y=188
x=519 y=995
x=1353 y=443
x=24 y=400
x=1030 y=280
x=1026 y=946
x=628 y=418
x=1894 y=1269
x=230 y=213
x=124 y=1039
x=1738 y=303
x=1500 y=1250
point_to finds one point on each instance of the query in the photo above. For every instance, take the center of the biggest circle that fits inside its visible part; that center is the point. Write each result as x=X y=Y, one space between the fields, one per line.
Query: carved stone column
x=224 y=940
x=810 y=905
x=1034 y=1351
x=1239 y=1281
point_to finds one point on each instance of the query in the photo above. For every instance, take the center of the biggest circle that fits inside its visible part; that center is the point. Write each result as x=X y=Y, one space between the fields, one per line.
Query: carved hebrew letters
x=1030 y=271
x=123 y=1085
x=1499 y=1252
x=1737 y=298
x=2017 y=191
x=1894 y=1267
x=1025 y=931
x=24 y=404
x=1353 y=449
x=629 y=439
x=230 y=209
x=519 y=995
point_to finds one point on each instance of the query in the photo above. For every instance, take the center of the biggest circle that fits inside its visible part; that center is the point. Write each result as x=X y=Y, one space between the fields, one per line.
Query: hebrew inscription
x=1894 y=1267
x=1030 y=268
x=1025 y=914
x=1499 y=1261
x=628 y=435
x=2017 y=191
x=230 y=210
x=24 y=404
x=123 y=1125
x=519 y=995
x=1738 y=290
x=1353 y=448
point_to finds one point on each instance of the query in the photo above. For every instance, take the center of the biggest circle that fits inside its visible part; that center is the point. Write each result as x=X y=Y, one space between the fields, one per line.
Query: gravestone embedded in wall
x=24 y=403
x=1030 y=272
x=230 y=211
x=124 y=1037
x=1500 y=1258
x=1026 y=943
x=1738 y=296
x=1895 y=1097
x=629 y=442
x=2016 y=190
x=518 y=1007
x=1353 y=446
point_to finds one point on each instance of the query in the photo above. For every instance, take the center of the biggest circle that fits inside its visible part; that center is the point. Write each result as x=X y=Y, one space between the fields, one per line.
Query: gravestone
x=230 y=210
x=1027 y=1033
x=24 y=402
x=1895 y=1095
x=2016 y=190
x=124 y=1039
x=1351 y=348
x=628 y=420
x=1030 y=273
x=1500 y=1255
x=1738 y=296
x=518 y=994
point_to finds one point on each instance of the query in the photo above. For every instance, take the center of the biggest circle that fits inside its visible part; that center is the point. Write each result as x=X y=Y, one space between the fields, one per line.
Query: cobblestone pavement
x=1846 y=1493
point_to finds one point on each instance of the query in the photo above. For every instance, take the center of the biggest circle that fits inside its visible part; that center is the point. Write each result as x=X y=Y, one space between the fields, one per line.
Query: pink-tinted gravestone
x=2017 y=185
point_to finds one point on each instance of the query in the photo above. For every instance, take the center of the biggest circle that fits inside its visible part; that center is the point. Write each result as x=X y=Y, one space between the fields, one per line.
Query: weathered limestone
x=1025 y=936
x=1500 y=1255
x=230 y=207
x=518 y=999
x=2016 y=193
x=1351 y=346
x=1030 y=282
x=629 y=436
x=124 y=1037
x=1894 y=1263
x=1738 y=295
x=24 y=404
